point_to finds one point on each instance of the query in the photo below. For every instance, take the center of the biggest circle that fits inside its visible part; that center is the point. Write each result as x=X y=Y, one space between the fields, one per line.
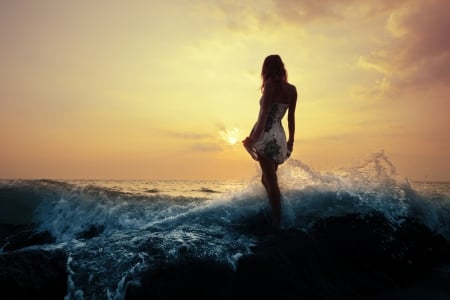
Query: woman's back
x=284 y=93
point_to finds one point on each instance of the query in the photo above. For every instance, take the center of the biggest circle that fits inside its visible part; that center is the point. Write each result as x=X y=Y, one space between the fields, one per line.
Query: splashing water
x=113 y=230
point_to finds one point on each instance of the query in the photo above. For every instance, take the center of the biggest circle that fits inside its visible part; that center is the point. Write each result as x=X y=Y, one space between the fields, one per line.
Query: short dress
x=272 y=142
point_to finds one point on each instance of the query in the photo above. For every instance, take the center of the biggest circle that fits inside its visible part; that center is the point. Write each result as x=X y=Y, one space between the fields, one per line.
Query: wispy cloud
x=197 y=142
x=186 y=135
x=206 y=147
x=417 y=52
x=261 y=14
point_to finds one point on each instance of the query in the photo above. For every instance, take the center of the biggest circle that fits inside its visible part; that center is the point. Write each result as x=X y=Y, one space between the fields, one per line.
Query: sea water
x=113 y=230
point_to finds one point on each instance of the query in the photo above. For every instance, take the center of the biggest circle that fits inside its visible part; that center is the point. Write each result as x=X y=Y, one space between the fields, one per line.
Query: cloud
x=306 y=11
x=197 y=142
x=206 y=147
x=187 y=135
x=253 y=15
x=263 y=14
x=417 y=52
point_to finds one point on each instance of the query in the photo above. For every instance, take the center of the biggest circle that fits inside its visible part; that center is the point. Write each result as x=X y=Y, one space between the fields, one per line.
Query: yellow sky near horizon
x=149 y=89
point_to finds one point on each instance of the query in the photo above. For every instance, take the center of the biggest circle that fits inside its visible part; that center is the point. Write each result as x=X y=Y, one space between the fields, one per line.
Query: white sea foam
x=114 y=229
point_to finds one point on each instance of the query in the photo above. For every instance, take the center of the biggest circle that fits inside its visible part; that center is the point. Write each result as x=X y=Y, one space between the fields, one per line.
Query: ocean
x=113 y=233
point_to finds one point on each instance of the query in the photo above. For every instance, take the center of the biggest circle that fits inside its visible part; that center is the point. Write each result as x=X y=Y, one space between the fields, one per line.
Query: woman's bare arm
x=291 y=121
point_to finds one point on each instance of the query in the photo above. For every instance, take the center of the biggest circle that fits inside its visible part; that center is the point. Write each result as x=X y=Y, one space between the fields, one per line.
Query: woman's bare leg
x=270 y=182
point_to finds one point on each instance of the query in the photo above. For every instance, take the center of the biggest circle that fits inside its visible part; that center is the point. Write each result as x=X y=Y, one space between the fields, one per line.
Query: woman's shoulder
x=291 y=89
x=291 y=86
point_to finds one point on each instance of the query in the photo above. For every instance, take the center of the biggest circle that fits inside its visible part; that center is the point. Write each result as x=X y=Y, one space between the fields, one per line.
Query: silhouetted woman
x=267 y=141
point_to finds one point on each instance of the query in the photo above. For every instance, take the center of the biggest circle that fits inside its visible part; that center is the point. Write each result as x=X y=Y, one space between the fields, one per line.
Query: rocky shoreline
x=341 y=258
x=348 y=257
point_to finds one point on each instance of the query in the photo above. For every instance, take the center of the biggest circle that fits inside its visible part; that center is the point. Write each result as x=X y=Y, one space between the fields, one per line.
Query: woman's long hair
x=273 y=69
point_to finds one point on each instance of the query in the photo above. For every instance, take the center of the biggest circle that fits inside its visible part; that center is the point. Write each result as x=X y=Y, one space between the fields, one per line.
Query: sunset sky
x=161 y=89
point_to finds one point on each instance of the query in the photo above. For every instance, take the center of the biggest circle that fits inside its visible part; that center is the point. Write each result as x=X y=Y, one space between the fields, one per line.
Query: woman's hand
x=290 y=146
x=248 y=141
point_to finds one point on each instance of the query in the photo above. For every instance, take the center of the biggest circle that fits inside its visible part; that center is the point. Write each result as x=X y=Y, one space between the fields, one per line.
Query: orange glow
x=168 y=89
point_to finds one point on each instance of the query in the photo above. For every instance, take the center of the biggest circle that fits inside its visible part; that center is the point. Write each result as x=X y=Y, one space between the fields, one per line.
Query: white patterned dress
x=272 y=142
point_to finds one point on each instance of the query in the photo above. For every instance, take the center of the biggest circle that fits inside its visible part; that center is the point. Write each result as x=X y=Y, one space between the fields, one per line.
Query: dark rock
x=433 y=285
x=91 y=232
x=13 y=237
x=34 y=274
x=187 y=279
x=283 y=266
x=367 y=255
x=348 y=257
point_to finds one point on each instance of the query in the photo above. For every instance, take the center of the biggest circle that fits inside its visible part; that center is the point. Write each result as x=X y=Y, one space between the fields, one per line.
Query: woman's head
x=273 y=69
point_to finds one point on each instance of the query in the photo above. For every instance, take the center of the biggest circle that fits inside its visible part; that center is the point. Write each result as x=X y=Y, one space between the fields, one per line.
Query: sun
x=231 y=136
x=232 y=140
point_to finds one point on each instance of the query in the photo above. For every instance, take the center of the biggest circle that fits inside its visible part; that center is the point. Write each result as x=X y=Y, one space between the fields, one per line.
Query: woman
x=267 y=142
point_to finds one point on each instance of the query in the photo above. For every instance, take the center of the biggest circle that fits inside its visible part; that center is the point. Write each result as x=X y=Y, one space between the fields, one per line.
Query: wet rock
x=91 y=232
x=33 y=274
x=13 y=237
x=186 y=279
x=349 y=257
